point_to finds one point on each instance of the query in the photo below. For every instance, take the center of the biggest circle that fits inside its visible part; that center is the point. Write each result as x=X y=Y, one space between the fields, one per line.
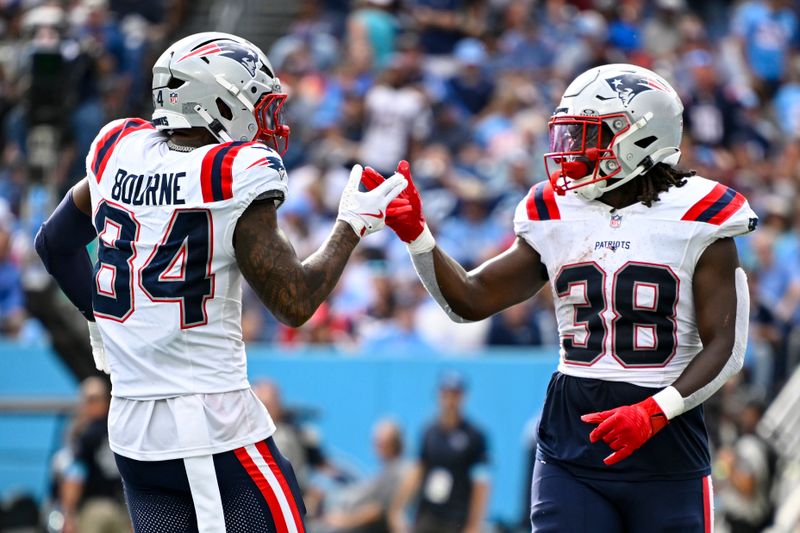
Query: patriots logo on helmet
x=627 y=86
x=243 y=55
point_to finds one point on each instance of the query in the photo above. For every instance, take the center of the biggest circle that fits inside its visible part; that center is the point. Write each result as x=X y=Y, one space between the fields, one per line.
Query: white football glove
x=365 y=210
x=98 y=350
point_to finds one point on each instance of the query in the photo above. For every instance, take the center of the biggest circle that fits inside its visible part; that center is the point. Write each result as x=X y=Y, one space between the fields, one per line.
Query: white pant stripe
x=205 y=493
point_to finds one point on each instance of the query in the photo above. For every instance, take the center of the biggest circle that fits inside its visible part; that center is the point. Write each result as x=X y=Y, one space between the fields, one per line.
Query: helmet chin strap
x=594 y=191
x=214 y=125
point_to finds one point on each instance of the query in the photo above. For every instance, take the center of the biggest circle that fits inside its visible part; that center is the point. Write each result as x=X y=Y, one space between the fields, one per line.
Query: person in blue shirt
x=12 y=298
x=397 y=336
x=372 y=30
x=470 y=89
x=766 y=29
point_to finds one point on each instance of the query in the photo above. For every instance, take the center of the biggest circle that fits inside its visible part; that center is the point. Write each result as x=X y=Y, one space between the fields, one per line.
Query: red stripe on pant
x=708 y=508
x=262 y=484
x=265 y=453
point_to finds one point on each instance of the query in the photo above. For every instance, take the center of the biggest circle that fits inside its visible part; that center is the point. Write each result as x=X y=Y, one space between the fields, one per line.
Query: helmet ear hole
x=647 y=141
x=224 y=110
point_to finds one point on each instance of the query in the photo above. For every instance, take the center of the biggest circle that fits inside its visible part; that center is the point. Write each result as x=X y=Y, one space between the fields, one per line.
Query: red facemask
x=578 y=144
x=269 y=117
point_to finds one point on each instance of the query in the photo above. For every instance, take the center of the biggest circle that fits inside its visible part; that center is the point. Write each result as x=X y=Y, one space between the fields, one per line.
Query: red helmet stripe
x=210 y=48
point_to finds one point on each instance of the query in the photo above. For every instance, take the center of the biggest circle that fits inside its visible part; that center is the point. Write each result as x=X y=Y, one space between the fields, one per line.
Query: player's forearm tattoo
x=290 y=289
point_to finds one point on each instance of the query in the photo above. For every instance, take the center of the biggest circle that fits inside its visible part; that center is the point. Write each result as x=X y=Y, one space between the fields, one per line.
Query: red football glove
x=407 y=223
x=626 y=428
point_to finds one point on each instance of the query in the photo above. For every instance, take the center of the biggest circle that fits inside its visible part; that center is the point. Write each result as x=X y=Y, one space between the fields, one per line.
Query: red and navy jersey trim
x=106 y=145
x=715 y=207
x=216 y=174
x=541 y=204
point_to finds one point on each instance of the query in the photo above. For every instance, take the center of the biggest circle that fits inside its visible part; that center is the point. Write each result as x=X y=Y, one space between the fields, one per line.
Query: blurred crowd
x=66 y=68
x=462 y=89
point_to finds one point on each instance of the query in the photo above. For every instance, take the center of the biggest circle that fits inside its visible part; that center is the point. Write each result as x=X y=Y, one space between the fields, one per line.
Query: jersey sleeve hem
x=538 y=205
x=260 y=175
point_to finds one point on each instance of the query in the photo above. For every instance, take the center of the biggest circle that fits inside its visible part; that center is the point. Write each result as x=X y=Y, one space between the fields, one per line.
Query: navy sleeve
x=61 y=244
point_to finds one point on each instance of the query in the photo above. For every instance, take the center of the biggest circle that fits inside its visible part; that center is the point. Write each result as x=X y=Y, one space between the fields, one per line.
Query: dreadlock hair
x=659 y=179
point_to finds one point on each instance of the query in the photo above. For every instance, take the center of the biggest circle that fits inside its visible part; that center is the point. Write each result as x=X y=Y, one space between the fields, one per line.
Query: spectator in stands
x=91 y=496
x=746 y=468
x=442 y=23
x=451 y=473
x=12 y=298
x=371 y=32
x=298 y=444
x=471 y=235
x=766 y=30
x=471 y=88
x=396 y=333
x=516 y=326
x=521 y=43
x=711 y=113
x=661 y=34
x=787 y=102
x=624 y=32
x=364 y=507
x=397 y=117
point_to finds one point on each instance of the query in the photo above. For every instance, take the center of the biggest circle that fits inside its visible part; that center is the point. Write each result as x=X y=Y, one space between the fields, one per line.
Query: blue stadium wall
x=348 y=394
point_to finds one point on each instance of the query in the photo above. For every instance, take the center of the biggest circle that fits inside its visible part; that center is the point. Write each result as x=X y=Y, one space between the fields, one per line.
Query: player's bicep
x=266 y=258
x=714 y=291
x=82 y=196
x=510 y=278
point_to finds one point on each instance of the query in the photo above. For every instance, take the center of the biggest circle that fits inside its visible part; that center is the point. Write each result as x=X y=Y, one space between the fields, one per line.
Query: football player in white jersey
x=652 y=306
x=184 y=206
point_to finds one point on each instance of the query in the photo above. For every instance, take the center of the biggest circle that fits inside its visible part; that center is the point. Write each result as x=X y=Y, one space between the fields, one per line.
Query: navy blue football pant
x=564 y=503
x=247 y=490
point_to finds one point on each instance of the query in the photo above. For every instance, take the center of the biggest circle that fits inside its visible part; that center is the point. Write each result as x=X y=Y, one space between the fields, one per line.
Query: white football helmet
x=223 y=83
x=614 y=122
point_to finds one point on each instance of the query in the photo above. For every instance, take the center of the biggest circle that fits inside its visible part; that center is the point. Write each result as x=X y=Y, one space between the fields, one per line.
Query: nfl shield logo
x=173 y=98
x=616 y=220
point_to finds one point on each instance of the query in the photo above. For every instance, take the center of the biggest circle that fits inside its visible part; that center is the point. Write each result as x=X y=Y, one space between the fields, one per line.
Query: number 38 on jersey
x=622 y=279
x=637 y=314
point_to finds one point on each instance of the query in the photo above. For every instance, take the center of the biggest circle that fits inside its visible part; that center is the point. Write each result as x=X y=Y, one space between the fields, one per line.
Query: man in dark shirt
x=91 y=492
x=451 y=473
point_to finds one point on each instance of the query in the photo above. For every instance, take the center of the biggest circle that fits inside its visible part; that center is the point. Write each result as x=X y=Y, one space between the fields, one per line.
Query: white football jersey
x=167 y=293
x=622 y=279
